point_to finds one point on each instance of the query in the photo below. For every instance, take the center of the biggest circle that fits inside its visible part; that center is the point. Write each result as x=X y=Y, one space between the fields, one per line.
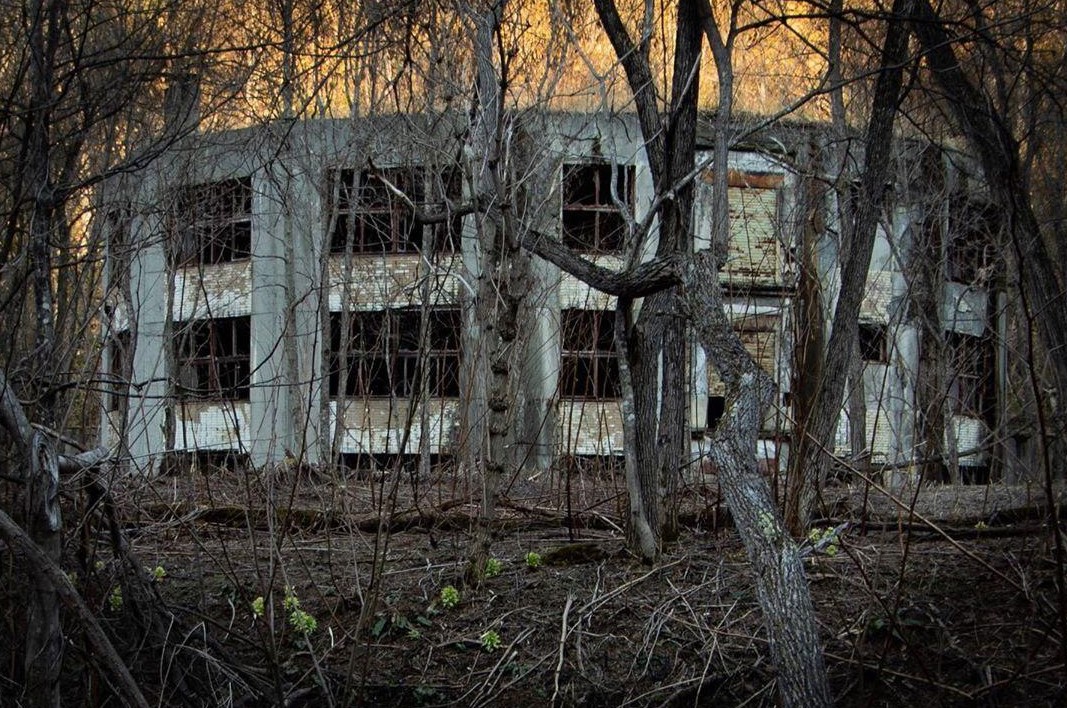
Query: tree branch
x=640 y=281
x=122 y=681
x=12 y=415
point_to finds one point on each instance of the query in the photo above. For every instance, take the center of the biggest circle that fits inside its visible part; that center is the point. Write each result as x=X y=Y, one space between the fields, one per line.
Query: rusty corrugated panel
x=754 y=252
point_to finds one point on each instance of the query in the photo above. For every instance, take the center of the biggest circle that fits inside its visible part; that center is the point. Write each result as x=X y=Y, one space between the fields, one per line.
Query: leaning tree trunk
x=781 y=584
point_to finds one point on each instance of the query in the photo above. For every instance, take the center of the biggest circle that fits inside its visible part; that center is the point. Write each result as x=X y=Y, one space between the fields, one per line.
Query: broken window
x=375 y=211
x=381 y=354
x=971 y=361
x=593 y=197
x=716 y=410
x=214 y=358
x=872 y=343
x=118 y=356
x=595 y=466
x=213 y=222
x=972 y=242
x=589 y=367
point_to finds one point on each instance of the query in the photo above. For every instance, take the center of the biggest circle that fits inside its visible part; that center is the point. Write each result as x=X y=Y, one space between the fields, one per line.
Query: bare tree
x=670 y=147
x=811 y=458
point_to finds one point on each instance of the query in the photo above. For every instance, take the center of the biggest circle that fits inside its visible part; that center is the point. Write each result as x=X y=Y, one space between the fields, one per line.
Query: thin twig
x=562 y=647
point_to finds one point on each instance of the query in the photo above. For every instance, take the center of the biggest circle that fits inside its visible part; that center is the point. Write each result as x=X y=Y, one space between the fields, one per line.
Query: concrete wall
x=291 y=284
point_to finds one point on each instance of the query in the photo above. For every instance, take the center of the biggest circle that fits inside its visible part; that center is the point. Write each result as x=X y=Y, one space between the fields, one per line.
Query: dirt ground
x=945 y=597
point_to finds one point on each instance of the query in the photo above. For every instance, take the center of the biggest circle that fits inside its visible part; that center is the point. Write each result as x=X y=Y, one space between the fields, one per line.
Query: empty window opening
x=204 y=462
x=214 y=358
x=872 y=343
x=589 y=367
x=971 y=370
x=592 y=217
x=595 y=466
x=974 y=474
x=716 y=410
x=972 y=242
x=116 y=222
x=213 y=222
x=367 y=465
x=395 y=353
x=378 y=211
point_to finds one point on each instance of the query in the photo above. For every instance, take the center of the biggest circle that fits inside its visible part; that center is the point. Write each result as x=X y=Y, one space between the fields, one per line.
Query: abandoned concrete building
x=273 y=293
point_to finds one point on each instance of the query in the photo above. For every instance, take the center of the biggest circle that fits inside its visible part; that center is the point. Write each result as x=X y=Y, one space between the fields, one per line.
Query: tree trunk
x=812 y=458
x=780 y=580
x=655 y=404
x=998 y=153
x=501 y=288
x=44 y=635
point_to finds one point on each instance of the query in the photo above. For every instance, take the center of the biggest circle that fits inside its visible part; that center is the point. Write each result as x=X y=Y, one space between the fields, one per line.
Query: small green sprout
x=158 y=573
x=981 y=526
x=98 y=566
x=291 y=602
x=449 y=597
x=493 y=568
x=258 y=606
x=824 y=540
x=490 y=640
x=114 y=600
x=533 y=560
x=303 y=622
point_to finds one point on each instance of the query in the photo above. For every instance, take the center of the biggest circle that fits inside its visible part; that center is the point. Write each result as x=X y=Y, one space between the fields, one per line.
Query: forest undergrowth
x=293 y=588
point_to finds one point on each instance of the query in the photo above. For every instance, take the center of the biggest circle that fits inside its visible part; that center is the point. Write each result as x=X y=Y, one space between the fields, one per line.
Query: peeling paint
x=378 y=425
x=590 y=427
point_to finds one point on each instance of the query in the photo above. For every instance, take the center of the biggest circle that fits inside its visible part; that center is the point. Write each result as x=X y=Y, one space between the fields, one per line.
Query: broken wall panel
x=590 y=427
x=210 y=425
x=381 y=425
x=878 y=296
x=971 y=436
x=379 y=282
x=755 y=253
x=573 y=293
x=965 y=309
x=221 y=290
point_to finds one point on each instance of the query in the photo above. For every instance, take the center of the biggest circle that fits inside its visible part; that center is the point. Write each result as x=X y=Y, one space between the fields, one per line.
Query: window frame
x=971 y=362
x=971 y=246
x=396 y=358
x=359 y=195
x=216 y=371
x=869 y=337
x=118 y=384
x=598 y=353
x=580 y=204
x=213 y=222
